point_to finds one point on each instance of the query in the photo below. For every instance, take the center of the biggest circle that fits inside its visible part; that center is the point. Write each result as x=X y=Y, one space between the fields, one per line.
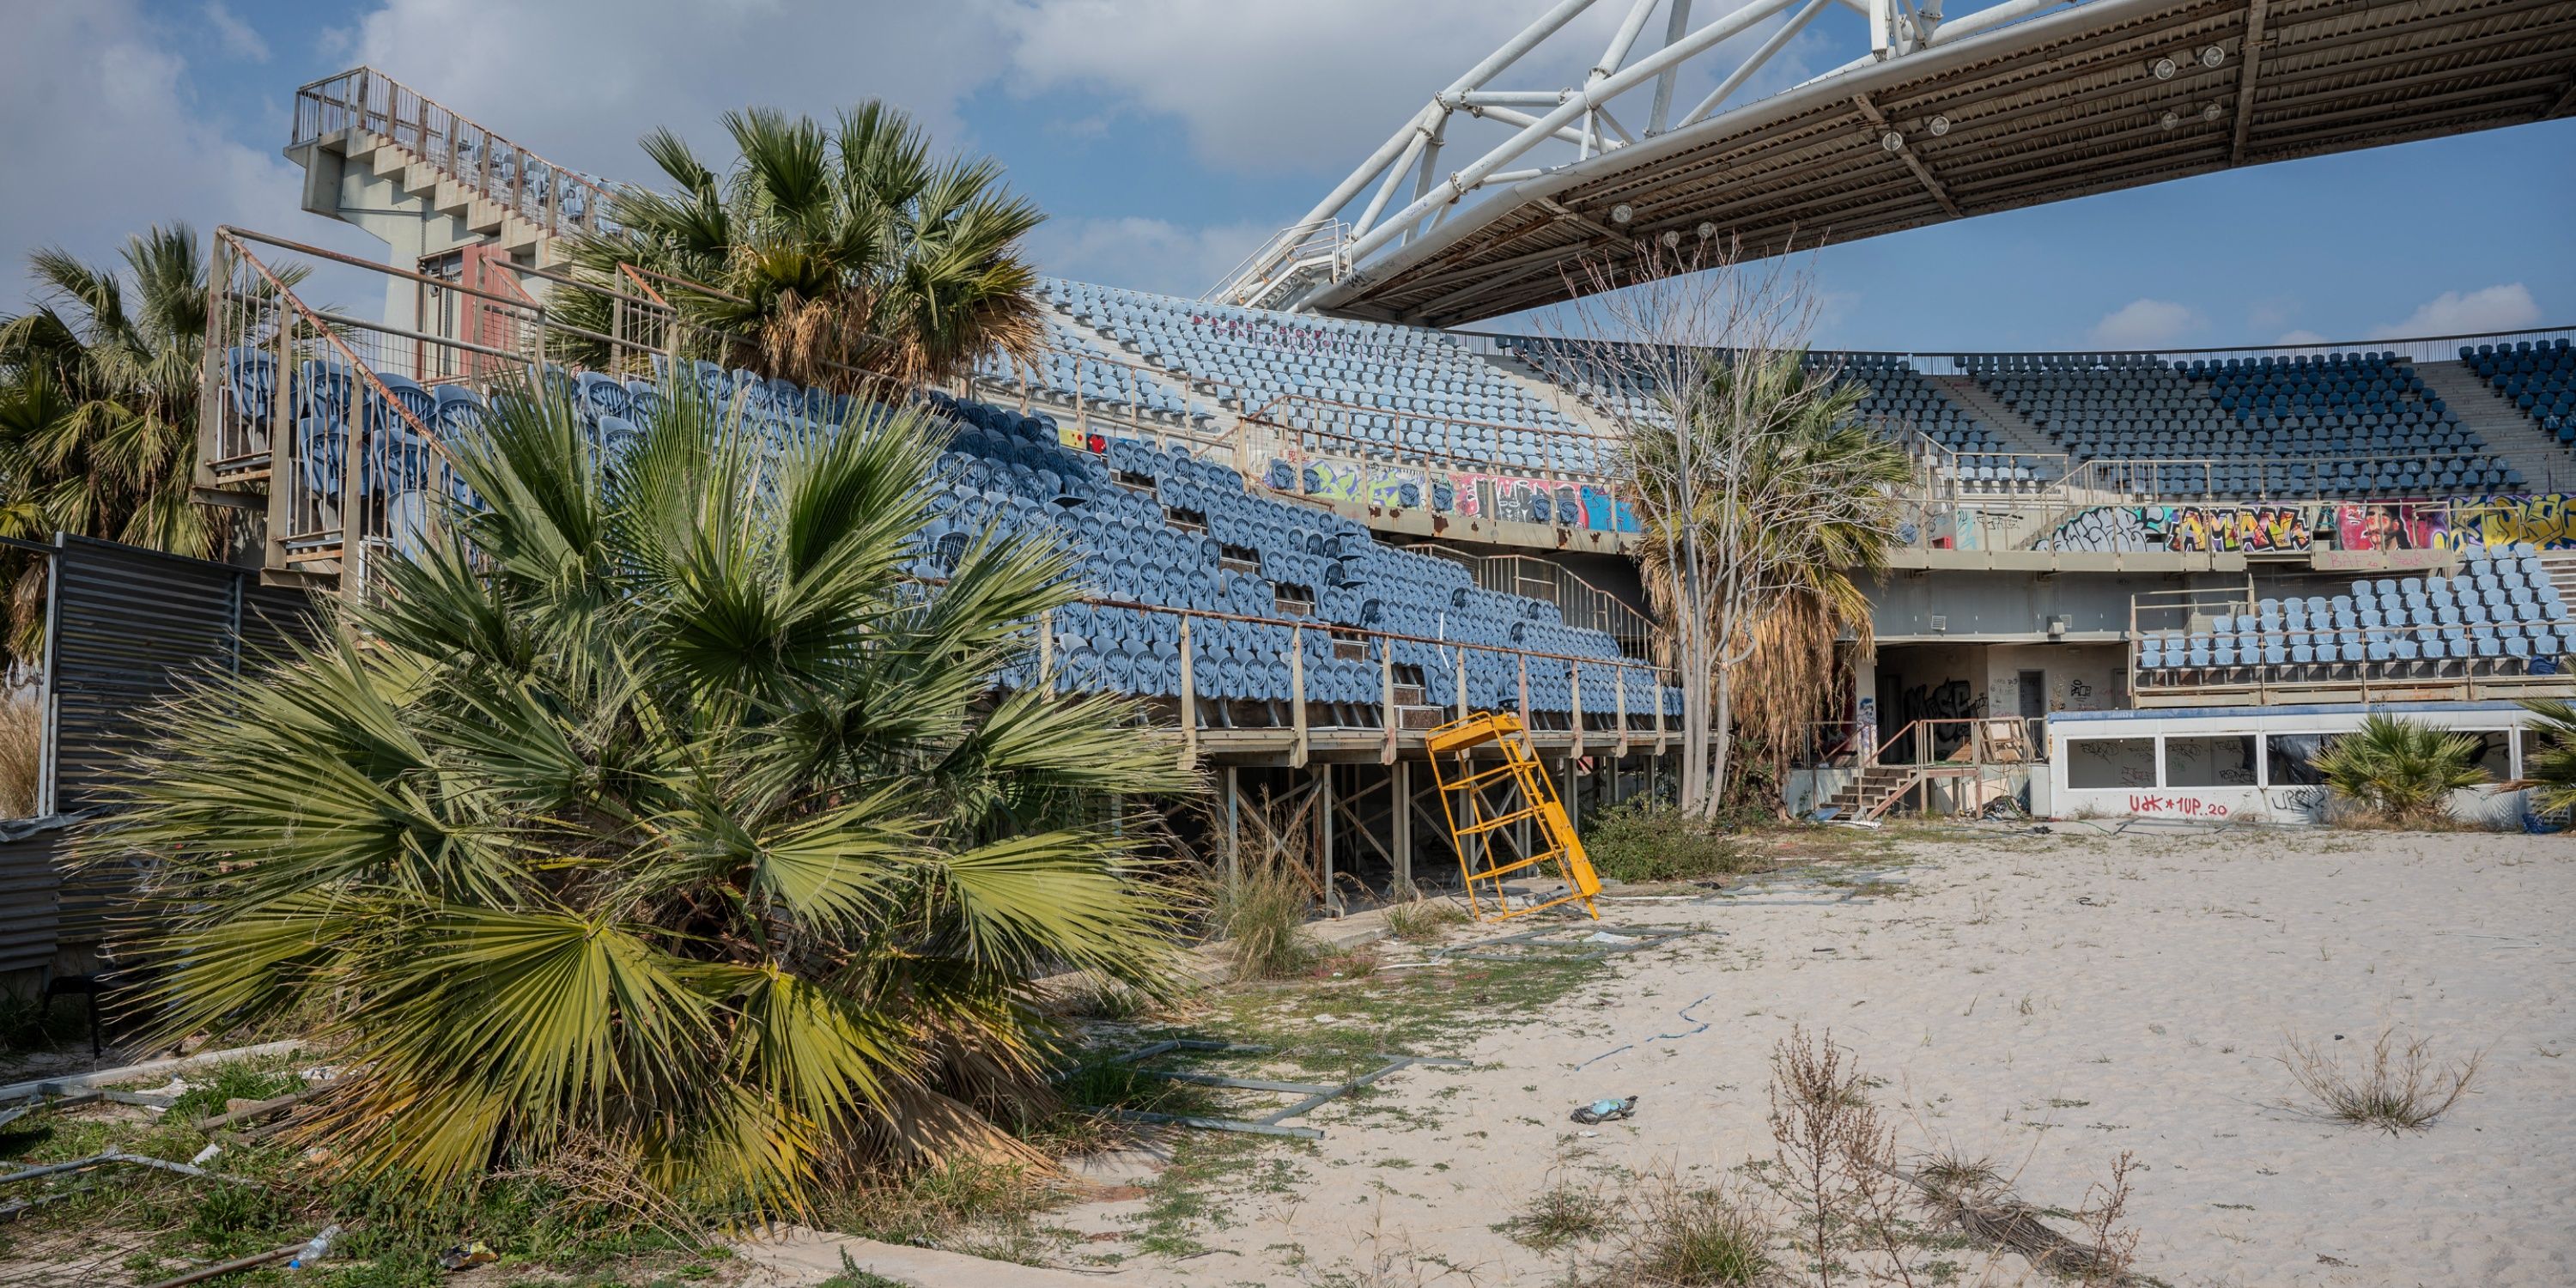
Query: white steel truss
x=1323 y=247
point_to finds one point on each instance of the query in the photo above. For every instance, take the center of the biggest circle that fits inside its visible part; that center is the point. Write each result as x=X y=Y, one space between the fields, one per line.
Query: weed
x=2395 y=1085
x=237 y=1080
x=1565 y=1212
x=1261 y=910
x=1421 y=920
x=1652 y=842
x=1701 y=1238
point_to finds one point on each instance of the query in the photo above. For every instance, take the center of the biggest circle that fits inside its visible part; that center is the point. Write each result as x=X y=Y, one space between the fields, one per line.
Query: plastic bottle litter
x=204 y=1154
x=314 y=1251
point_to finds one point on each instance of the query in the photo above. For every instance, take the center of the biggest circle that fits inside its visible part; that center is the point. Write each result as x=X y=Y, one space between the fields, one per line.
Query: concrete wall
x=1950 y=681
x=2188 y=764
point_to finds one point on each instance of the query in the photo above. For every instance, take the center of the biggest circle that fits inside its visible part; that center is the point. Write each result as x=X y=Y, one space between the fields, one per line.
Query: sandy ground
x=2046 y=1003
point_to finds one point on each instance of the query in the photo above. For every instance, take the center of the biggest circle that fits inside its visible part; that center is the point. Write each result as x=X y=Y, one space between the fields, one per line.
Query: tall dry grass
x=22 y=745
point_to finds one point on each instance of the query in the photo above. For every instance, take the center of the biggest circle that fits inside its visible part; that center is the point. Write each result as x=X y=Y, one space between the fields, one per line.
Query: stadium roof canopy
x=2027 y=102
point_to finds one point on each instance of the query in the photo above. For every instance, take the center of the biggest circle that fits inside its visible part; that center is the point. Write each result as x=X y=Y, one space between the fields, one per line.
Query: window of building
x=2288 y=759
x=2111 y=762
x=2494 y=753
x=2217 y=760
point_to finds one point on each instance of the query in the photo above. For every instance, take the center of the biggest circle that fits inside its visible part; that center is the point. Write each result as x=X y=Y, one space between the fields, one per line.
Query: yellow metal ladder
x=1474 y=819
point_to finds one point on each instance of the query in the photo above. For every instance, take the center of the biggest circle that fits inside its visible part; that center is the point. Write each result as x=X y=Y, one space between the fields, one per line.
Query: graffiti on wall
x=2250 y=528
x=2392 y=525
x=2547 y=521
x=1492 y=496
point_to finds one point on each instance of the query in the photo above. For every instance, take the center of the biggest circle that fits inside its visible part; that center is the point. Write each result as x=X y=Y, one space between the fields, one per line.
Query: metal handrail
x=466 y=151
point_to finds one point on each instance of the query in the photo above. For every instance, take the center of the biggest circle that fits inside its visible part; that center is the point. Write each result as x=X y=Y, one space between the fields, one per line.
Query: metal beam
x=2250 y=55
x=1912 y=162
x=2566 y=103
x=1676 y=25
x=1744 y=71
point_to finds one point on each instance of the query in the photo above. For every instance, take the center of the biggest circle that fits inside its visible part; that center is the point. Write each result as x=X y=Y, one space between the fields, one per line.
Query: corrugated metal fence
x=125 y=628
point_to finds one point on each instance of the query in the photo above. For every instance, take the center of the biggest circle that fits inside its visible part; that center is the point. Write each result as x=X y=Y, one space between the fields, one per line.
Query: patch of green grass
x=1653 y=842
x=1422 y=920
x=237 y=1080
x=1563 y=1213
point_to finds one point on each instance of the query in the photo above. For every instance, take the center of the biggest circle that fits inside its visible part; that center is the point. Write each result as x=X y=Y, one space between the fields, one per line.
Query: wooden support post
x=1233 y=827
x=1622 y=752
x=1324 y=823
x=1401 y=819
x=1189 y=700
x=1386 y=700
x=1574 y=672
x=1297 y=691
x=1462 y=682
x=285 y=446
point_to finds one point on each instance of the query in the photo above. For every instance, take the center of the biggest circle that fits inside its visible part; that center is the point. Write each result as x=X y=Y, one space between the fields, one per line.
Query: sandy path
x=2046 y=1003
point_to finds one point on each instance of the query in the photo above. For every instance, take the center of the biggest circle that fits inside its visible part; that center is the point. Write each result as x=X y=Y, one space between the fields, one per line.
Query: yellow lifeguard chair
x=1473 y=820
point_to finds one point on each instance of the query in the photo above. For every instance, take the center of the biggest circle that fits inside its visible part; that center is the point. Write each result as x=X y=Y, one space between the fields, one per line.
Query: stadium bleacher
x=1405 y=390
x=2499 y=613
x=2538 y=379
x=1151 y=528
x=1075 y=371
x=2333 y=425
x=1899 y=398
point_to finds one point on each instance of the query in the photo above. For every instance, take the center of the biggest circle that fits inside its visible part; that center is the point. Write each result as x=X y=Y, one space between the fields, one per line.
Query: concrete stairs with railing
x=1870 y=793
x=419 y=180
x=2008 y=424
x=2510 y=436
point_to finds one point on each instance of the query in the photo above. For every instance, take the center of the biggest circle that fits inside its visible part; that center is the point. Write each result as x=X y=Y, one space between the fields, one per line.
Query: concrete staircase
x=2510 y=436
x=1873 y=792
x=421 y=181
x=2007 y=423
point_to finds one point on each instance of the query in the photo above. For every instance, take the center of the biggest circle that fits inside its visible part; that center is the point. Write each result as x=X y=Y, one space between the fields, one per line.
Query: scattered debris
x=467 y=1255
x=1605 y=1111
x=316 y=1248
x=1550 y=944
x=1312 y=1095
x=1698 y=1026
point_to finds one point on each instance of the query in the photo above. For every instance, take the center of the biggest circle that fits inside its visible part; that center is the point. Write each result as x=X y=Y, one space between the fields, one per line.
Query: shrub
x=2400 y=770
x=1700 y=1239
x=1418 y=920
x=2393 y=1086
x=2549 y=757
x=1261 y=910
x=1655 y=842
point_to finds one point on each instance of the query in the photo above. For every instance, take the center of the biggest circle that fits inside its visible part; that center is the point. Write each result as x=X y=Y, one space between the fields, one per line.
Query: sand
x=2046 y=1003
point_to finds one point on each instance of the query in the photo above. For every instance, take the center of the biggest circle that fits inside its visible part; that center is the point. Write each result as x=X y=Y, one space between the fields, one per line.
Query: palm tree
x=2549 y=757
x=660 y=812
x=1762 y=505
x=835 y=255
x=98 y=407
x=2401 y=770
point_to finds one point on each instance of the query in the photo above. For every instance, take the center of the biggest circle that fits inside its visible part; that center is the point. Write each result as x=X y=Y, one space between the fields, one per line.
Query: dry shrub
x=1836 y=1158
x=1567 y=1211
x=1422 y=920
x=1697 y=1238
x=22 y=749
x=2395 y=1084
x=1261 y=911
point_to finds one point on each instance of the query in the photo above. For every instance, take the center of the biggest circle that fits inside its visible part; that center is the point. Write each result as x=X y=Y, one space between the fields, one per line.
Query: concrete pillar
x=1402 y=814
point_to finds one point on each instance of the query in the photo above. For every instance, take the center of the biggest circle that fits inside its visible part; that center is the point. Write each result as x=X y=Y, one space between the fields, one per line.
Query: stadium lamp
x=1672 y=238
x=1939 y=126
x=1707 y=230
x=2163 y=68
x=2169 y=120
x=2212 y=56
x=1621 y=213
x=2211 y=111
x=1892 y=141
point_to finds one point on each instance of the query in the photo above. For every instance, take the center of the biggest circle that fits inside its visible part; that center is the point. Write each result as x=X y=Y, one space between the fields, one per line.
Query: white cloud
x=239 y=38
x=1143 y=253
x=2301 y=336
x=109 y=138
x=2507 y=307
x=580 y=80
x=2146 y=324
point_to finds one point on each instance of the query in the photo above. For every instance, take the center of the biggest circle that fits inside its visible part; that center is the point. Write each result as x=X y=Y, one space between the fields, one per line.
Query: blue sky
x=1167 y=137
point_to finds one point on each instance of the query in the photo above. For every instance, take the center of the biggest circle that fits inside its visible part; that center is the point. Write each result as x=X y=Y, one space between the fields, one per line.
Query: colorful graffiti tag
x=2547 y=521
x=2250 y=528
x=2392 y=525
x=1494 y=496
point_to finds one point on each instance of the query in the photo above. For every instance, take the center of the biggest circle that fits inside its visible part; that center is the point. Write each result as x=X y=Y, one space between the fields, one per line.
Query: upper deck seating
x=1392 y=390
